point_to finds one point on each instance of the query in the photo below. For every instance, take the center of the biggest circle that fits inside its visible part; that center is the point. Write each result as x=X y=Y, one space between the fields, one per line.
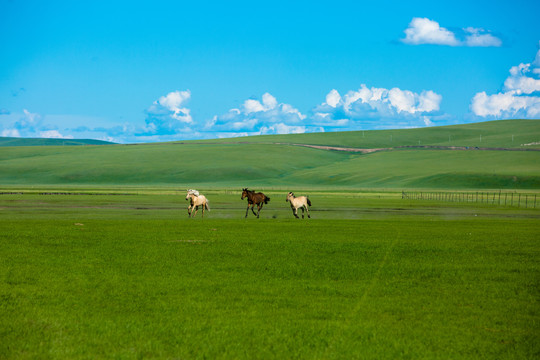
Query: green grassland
x=117 y=270
x=370 y=276
x=273 y=162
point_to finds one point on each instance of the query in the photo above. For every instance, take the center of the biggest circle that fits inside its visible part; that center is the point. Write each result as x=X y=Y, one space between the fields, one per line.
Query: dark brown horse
x=253 y=199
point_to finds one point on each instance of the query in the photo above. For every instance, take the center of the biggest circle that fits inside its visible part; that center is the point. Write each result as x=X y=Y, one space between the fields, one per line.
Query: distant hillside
x=515 y=134
x=13 y=141
x=454 y=158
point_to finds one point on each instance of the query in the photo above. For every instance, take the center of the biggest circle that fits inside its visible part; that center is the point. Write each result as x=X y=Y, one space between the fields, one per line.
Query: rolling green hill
x=273 y=162
x=12 y=141
x=503 y=133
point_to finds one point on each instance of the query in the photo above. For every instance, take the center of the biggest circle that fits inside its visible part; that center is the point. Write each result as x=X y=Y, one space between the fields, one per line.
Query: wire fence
x=481 y=197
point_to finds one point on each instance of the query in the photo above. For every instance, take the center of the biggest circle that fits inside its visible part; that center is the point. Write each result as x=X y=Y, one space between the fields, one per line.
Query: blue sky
x=129 y=71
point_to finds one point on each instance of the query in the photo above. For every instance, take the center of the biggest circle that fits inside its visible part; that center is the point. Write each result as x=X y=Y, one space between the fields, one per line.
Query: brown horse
x=253 y=199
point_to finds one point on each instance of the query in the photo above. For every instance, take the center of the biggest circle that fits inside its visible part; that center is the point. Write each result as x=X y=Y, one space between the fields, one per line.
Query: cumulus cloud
x=426 y=31
x=168 y=115
x=258 y=117
x=520 y=96
x=377 y=108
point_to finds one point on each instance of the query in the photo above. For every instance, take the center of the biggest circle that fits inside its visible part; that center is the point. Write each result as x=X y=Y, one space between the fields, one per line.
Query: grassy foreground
x=369 y=276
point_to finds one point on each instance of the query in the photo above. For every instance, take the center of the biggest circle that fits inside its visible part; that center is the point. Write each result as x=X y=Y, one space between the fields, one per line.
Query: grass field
x=370 y=276
x=115 y=269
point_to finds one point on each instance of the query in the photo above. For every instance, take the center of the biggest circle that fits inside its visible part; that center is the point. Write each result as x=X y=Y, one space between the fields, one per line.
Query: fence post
x=519 y=200
x=499 y=197
x=526 y=197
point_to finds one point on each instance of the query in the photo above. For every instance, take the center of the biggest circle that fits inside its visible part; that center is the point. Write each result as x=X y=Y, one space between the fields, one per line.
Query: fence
x=482 y=197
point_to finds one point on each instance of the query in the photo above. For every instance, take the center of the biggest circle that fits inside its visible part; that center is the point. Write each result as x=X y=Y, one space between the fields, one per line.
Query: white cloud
x=53 y=134
x=11 y=133
x=426 y=31
x=377 y=108
x=172 y=102
x=333 y=98
x=520 y=82
x=519 y=97
x=27 y=124
x=479 y=38
x=168 y=115
x=257 y=117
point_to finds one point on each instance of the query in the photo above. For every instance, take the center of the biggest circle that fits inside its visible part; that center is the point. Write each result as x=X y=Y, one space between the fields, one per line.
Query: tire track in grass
x=353 y=313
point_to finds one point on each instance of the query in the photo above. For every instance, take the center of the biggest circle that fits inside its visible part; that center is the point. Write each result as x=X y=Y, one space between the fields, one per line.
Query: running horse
x=195 y=200
x=253 y=199
x=301 y=202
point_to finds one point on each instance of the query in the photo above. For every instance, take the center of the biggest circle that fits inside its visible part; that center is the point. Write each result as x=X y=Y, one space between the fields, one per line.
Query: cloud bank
x=519 y=98
x=426 y=31
x=169 y=118
x=258 y=117
x=377 y=108
x=29 y=124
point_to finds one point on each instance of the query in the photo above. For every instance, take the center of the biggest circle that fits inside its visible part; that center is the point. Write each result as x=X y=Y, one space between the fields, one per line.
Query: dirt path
x=405 y=147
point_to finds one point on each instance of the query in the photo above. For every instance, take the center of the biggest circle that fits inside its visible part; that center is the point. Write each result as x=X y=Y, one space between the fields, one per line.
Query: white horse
x=196 y=200
x=299 y=202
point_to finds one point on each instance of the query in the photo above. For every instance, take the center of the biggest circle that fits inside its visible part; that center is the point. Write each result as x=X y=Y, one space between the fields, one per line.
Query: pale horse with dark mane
x=298 y=202
x=195 y=200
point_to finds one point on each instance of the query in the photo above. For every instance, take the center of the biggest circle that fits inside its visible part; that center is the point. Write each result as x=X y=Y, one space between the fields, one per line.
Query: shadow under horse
x=253 y=199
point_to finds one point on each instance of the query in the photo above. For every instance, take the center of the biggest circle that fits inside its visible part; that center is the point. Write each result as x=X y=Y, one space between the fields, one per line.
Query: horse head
x=290 y=196
x=244 y=193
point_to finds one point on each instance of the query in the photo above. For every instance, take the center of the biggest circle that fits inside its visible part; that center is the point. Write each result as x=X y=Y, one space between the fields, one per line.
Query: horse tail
x=308 y=202
x=206 y=205
x=266 y=199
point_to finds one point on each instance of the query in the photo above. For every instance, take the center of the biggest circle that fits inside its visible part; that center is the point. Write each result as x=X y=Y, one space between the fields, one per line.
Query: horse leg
x=247 y=210
x=259 y=207
x=253 y=209
x=295 y=212
x=189 y=211
x=302 y=212
x=307 y=210
x=202 y=214
x=196 y=210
